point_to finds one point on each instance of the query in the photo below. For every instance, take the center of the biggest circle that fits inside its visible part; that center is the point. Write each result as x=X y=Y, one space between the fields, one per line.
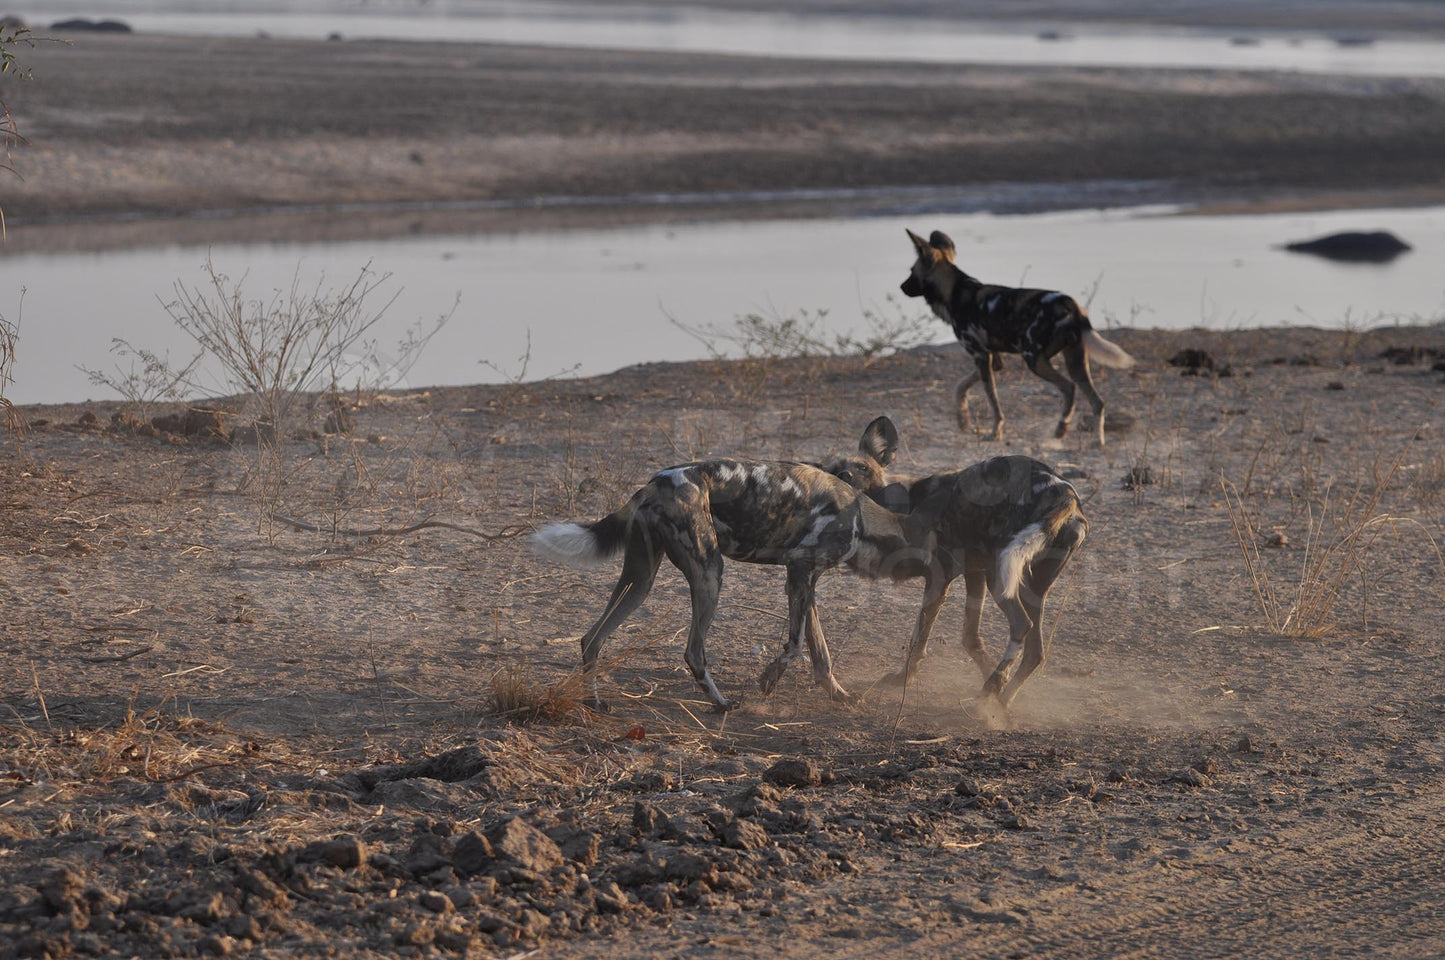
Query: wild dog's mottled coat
x=792 y=514
x=1008 y=525
x=990 y=319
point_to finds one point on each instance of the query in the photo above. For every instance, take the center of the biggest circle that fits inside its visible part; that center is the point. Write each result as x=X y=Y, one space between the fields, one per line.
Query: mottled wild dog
x=990 y=319
x=1008 y=525
x=776 y=512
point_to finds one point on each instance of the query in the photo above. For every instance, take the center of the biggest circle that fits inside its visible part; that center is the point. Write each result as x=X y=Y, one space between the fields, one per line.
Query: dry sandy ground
x=224 y=734
x=372 y=139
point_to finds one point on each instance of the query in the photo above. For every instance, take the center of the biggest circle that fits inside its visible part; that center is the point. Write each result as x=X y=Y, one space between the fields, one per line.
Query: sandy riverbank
x=370 y=139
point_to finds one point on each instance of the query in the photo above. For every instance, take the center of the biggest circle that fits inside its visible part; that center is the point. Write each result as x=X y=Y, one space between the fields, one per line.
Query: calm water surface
x=598 y=300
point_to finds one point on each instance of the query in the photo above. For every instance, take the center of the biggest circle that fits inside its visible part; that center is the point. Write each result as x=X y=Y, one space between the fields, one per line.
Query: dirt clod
x=794 y=773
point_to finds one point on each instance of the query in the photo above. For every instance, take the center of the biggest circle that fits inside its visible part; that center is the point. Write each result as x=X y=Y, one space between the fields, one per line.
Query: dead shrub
x=1340 y=534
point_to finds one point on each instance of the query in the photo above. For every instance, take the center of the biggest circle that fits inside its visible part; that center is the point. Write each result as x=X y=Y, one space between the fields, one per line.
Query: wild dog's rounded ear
x=943 y=243
x=880 y=441
x=919 y=244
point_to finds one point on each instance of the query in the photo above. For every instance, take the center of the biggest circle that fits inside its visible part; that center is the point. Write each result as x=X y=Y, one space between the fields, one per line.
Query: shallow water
x=596 y=300
x=687 y=29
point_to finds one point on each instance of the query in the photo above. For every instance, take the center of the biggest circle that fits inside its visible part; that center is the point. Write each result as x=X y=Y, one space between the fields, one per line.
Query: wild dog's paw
x=768 y=679
x=726 y=706
x=898 y=678
x=988 y=713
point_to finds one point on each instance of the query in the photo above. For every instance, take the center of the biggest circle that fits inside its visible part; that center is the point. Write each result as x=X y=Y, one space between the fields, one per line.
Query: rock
x=793 y=773
x=579 y=845
x=659 y=898
x=968 y=787
x=525 y=845
x=610 y=898
x=346 y=852
x=217 y=945
x=194 y=422
x=1191 y=777
x=472 y=853
x=1378 y=246
x=745 y=835
x=691 y=868
x=687 y=828
x=436 y=902
x=648 y=820
x=425 y=856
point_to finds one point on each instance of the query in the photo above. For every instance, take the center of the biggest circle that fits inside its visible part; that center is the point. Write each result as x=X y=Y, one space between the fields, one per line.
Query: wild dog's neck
x=961 y=279
x=947 y=279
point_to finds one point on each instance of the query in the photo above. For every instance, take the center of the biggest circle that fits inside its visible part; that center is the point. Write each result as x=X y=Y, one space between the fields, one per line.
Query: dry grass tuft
x=517 y=696
x=1339 y=538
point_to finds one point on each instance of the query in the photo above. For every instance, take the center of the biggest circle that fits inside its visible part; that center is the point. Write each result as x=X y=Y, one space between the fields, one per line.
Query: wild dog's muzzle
x=911 y=287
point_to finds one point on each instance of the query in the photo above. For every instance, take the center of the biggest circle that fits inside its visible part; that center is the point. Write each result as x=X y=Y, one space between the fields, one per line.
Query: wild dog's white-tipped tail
x=570 y=543
x=1105 y=353
x=1015 y=558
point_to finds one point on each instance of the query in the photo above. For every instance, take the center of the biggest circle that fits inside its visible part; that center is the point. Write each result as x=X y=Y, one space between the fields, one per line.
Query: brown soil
x=371 y=139
x=223 y=733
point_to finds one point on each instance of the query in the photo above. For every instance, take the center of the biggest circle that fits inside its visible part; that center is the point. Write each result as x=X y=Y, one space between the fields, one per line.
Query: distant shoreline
x=139 y=140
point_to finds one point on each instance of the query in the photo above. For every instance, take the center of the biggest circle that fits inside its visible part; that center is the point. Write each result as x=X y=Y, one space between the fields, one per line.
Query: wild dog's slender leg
x=985 y=371
x=960 y=396
x=704 y=579
x=691 y=544
x=975 y=583
x=800 y=579
x=1043 y=571
x=1076 y=359
x=639 y=570
x=935 y=591
x=1042 y=367
x=803 y=625
x=1019 y=628
x=822 y=659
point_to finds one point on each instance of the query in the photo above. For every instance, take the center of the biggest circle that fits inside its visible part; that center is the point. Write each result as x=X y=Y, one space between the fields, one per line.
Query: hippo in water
x=1378 y=246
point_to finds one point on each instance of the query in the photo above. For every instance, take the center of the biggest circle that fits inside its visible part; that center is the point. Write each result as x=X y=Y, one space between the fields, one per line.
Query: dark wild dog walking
x=990 y=319
x=776 y=512
x=1008 y=525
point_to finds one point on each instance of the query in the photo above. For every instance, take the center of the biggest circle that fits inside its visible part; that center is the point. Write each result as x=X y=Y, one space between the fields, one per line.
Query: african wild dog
x=990 y=319
x=775 y=512
x=1008 y=524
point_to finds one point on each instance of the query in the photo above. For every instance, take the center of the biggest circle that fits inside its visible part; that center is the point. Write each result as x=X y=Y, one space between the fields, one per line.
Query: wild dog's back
x=1001 y=513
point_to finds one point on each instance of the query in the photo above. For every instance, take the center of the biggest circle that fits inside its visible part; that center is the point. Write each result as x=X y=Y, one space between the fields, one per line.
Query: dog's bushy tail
x=1062 y=528
x=1105 y=353
x=585 y=545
